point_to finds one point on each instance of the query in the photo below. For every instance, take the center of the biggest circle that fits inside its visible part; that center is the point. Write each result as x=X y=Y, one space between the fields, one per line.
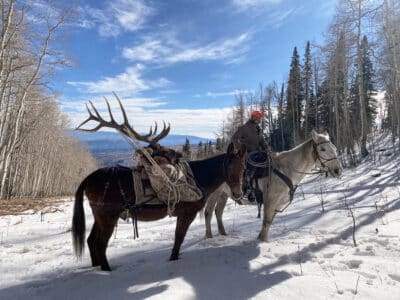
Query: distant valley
x=110 y=148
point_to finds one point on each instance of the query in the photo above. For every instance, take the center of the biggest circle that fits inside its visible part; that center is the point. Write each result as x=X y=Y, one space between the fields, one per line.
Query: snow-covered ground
x=310 y=254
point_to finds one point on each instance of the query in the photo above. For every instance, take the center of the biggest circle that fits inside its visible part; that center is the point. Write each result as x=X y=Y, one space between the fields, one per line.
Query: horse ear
x=325 y=133
x=231 y=148
x=314 y=135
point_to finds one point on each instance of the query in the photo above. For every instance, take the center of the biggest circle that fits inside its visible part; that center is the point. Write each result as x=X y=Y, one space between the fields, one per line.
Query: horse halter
x=317 y=155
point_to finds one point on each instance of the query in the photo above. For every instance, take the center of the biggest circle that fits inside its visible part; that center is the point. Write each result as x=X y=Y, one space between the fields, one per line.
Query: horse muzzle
x=335 y=172
x=236 y=196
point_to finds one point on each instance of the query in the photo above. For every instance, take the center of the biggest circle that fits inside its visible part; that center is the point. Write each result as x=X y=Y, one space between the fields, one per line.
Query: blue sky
x=182 y=61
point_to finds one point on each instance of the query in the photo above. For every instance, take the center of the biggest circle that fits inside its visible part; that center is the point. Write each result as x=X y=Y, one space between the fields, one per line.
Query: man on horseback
x=251 y=135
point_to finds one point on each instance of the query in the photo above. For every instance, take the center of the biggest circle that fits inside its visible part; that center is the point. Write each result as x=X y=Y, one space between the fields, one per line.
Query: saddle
x=258 y=166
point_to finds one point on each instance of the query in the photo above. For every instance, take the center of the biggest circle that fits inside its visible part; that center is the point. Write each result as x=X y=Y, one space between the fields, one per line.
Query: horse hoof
x=106 y=268
x=262 y=238
x=174 y=257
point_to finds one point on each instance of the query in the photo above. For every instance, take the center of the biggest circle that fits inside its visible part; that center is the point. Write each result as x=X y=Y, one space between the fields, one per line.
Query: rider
x=250 y=134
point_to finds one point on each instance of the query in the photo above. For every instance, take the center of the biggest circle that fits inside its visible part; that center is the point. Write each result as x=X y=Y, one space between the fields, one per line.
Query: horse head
x=326 y=154
x=234 y=163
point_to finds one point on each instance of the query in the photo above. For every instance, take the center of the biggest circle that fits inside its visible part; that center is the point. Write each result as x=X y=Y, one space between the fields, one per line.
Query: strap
x=289 y=183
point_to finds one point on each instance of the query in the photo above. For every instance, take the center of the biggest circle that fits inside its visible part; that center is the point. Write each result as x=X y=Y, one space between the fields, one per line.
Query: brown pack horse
x=110 y=189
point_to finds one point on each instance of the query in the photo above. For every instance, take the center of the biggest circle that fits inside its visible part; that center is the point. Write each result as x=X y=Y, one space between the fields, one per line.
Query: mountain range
x=112 y=148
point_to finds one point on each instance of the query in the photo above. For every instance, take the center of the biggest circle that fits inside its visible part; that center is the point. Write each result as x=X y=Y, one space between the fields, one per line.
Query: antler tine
x=128 y=128
x=90 y=118
x=151 y=133
x=98 y=116
x=122 y=110
x=85 y=121
x=109 y=110
x=154 y=132
x=162 y=134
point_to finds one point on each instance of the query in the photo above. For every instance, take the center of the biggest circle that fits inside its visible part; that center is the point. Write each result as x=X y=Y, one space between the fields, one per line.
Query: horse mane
x=283 y=153
x=281 y=156
x=206 y=170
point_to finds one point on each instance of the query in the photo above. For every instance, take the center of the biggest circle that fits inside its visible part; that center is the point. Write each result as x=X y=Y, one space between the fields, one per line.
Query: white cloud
x=223 y=94
x=253 y=4
x=167 y=50
x=277 y=18
x=117 y=16
x=131 y=14
x=128 y=82
x=274 y=12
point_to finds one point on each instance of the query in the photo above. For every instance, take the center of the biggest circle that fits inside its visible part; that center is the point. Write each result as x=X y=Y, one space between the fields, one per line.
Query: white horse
x=287 y=171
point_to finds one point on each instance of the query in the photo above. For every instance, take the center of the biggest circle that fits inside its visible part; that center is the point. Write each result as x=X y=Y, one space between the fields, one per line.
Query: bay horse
x=278 y=188
x=109 y=190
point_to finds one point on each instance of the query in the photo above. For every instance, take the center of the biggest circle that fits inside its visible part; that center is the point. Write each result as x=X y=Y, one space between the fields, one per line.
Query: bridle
x=318 y=157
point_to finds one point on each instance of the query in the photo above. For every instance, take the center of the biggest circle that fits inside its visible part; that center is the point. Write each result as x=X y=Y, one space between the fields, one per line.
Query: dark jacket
x=250 y=135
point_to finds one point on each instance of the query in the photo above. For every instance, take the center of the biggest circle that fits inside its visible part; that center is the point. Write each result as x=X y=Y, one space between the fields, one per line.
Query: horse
x=111 y=191
x=288 y=169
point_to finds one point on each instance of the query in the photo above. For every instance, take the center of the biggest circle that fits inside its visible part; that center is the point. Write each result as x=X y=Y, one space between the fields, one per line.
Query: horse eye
x=323 y=149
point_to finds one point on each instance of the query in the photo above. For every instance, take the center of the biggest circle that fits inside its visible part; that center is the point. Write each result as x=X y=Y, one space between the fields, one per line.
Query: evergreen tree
x=369 y=83
x=368 y=75
x=294 y=100
x=219 y=144
x=199 y=153
x=309 y=108
x=186 y=149
x=210 y=150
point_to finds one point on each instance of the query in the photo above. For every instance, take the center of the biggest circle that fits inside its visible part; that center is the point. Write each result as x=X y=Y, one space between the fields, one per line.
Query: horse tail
x=78 y=222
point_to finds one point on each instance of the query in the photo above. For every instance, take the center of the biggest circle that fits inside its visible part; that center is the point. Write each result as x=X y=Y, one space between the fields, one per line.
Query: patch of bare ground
x=22 y=205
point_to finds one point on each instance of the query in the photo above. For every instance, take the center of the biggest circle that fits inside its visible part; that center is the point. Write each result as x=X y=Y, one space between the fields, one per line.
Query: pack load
x=171 y=182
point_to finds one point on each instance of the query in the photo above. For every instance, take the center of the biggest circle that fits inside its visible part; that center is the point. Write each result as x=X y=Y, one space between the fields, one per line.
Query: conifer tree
x=307 y=88
x=294 y=99
x=199 y=153
x=186 y=149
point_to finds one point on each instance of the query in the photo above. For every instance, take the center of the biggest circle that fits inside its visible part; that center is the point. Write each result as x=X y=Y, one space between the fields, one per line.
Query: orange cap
x=256 y=114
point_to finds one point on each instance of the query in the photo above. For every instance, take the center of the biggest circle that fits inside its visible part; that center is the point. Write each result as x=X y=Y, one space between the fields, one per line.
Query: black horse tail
x=78 y=222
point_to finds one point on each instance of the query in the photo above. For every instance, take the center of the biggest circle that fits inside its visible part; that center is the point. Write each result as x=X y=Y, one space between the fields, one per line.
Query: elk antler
x=125 y=128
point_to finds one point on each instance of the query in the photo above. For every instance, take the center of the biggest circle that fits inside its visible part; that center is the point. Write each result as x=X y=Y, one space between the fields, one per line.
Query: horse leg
x=208 y=210
x=182 y=225
x=269 y=214
x=259 y=210
x=106 y=228
x=91 y=241
x=219 y=210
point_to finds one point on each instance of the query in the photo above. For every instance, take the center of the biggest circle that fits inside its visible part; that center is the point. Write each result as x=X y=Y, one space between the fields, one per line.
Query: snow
x=310 y=254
